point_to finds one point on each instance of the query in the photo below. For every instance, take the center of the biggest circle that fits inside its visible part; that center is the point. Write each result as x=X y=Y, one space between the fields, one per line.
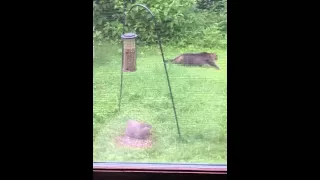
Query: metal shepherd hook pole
x=163 y=60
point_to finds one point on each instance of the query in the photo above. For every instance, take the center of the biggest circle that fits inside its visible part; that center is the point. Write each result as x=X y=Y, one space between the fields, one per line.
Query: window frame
x=175 y=168
x=184 y=168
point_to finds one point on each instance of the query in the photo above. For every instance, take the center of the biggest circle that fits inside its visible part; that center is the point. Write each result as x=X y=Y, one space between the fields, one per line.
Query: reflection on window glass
x=160 y=102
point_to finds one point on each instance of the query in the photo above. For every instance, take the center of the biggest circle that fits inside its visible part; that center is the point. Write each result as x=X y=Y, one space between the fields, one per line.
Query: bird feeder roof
x=128 y=36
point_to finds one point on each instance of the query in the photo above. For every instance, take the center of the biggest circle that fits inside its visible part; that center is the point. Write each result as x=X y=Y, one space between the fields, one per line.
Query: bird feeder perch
x=129 y=53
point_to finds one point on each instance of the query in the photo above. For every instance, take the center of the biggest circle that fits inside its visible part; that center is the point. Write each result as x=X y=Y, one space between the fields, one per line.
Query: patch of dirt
x=126 y=141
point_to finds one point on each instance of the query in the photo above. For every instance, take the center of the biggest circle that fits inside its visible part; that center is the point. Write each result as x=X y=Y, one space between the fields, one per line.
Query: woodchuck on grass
x=138 y=130
x=197 y=59
x=137 y=135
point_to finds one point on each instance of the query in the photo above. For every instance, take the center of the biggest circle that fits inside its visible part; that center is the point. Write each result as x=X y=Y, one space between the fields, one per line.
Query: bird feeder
x=129 y=53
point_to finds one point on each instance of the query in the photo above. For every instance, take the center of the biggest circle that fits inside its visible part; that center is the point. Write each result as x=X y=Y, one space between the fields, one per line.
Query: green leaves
x=179 y=22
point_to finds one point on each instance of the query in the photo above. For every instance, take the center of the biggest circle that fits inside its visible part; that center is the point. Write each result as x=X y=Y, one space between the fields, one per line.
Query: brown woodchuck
x=138 y=130
x=197 y=59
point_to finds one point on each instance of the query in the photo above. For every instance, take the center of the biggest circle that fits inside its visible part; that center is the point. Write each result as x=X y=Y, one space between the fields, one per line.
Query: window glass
x=160 y=102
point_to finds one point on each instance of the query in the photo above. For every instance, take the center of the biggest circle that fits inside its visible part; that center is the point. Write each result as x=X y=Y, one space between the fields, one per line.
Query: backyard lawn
x=200 y=95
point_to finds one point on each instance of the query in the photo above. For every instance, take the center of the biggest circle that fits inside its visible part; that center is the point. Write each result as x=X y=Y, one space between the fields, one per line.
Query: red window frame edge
x=160 y=168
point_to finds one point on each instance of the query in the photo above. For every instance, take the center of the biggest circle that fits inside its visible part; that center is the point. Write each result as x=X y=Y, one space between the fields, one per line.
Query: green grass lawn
x=200 y=96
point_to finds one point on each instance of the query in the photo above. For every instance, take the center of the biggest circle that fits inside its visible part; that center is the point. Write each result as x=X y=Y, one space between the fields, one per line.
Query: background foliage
x=200 y=23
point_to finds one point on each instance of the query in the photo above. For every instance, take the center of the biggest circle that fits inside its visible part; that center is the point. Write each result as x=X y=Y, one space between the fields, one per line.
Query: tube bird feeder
x=129 y=53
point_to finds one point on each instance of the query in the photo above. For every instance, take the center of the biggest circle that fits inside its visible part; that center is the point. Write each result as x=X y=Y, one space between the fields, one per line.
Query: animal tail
x=168 y=60
x=213 y=64
x=178 y=59
x=175 y=60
